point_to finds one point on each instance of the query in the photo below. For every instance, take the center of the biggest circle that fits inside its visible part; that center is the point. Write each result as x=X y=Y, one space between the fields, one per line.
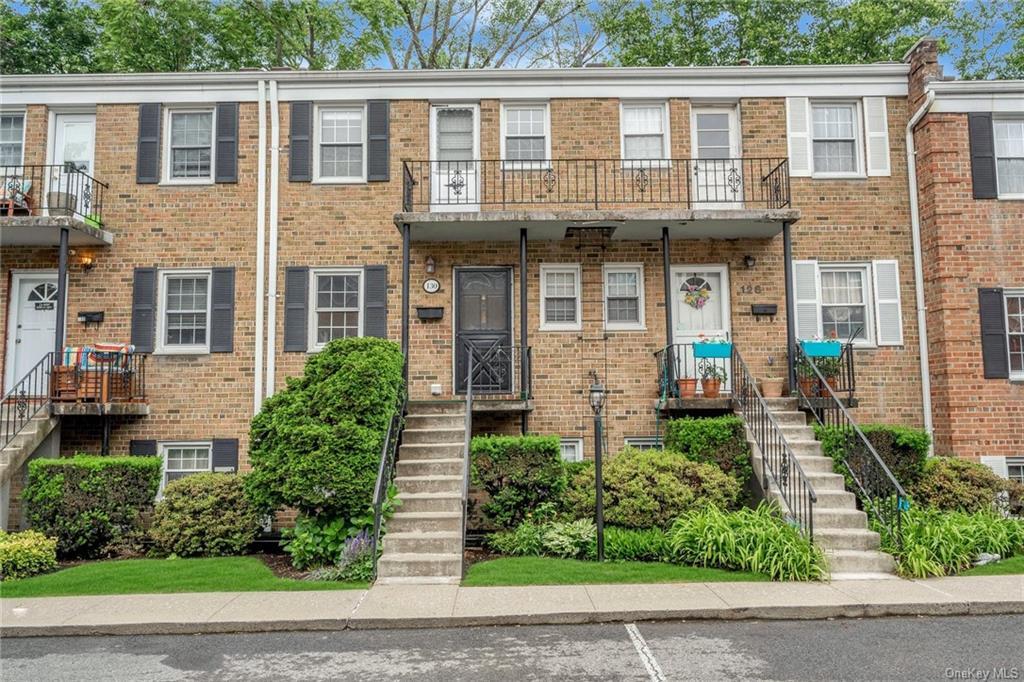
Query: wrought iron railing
x=497 y=371
x=876 y=487
x=106 y=377
x=27 y=398
x=677 y=362
x=597 y=183
x=838 y=372
x=51 y=190
x=778 y=462
x=386 y=470
x=467 y=450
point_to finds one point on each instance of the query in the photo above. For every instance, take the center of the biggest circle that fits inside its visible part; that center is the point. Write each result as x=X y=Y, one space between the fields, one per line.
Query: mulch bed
x=281 y=566
x=474 y=555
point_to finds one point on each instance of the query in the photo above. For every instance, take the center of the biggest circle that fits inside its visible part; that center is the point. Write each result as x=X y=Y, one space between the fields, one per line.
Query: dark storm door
x=483 y=326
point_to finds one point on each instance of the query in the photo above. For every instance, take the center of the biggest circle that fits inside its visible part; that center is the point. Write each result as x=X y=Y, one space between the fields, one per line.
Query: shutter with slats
x=222 y=310
x=375 y=301
x=888 y=313
x=798 y=124
x=300 y=142
x=996 y=464
x=144 y=309
x=983 y=155
x=227 y=142
x=993 y=333
x=807 y=294
x=142 y=448
x=378 y=146
x=876 y=127
x=147 y=160
x=225 y=455
x=296 y=305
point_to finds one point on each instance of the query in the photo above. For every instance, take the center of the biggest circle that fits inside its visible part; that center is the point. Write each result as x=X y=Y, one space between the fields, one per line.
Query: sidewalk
x=406 y=606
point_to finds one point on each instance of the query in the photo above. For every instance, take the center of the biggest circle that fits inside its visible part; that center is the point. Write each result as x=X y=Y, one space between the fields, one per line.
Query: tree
x=49 y=36
x=155 y=35
x=987 y=39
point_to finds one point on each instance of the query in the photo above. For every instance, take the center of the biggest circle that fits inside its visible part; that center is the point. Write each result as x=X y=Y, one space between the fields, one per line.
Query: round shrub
x=518 y=473
x=651 y=488
x=26 y=553
x=954 y=484
x=204 y=515
x=721 y=441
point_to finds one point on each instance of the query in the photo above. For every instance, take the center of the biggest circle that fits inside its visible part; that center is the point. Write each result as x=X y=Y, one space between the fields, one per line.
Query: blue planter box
x=822 y=349
x=712 y=350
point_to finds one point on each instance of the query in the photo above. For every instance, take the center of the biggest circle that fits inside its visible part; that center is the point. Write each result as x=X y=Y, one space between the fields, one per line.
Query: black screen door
x=483 y=325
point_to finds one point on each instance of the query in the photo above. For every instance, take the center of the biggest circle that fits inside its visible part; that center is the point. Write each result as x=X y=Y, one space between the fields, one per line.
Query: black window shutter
x=296 y=302
x=993 y=334
x=300 y=143
x=142 y=448
x=147 y=160
x=377 y=140
x=144 y=309
x=983 y=155
x=225 y=455
x=227 y=142
x=375 y=301
x=222 y=310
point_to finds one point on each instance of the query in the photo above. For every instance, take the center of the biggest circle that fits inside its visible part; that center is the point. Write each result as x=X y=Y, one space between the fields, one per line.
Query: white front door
x=74 y=146
x=700 y=309
x=32 y=327
x=718 y=169
x=454 y=157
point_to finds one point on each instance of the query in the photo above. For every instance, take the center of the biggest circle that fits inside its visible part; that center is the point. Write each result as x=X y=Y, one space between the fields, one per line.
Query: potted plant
x=711 y=378
x=771 y=386
x=830 y=368
x=805 y=377
x=687 y=387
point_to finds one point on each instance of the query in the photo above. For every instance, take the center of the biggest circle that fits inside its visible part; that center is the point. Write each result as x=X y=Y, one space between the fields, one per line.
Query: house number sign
x=431 y=286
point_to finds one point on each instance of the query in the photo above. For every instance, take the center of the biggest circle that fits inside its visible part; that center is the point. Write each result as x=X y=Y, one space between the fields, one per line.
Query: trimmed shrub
x=88 y=502
x=518 y=473
x=26 y=553
x=903 y=449
x=627 y=544
x=954 y=484
x=716 y=440
x=204 y=515
x=650 y=488
x=315 y=446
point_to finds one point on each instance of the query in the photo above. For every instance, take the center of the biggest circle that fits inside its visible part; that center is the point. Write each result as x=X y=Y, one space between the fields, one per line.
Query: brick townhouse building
x=557 y=226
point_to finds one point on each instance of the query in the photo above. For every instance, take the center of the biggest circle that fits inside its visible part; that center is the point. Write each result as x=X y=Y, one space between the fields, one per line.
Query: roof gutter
x=275 y=171
x=261 y=246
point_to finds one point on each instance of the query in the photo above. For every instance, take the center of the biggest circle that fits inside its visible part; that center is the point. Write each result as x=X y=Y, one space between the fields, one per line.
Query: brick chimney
x=923 y=58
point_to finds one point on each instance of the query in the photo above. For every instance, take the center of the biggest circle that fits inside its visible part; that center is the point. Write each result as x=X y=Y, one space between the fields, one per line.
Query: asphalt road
x=969 y=648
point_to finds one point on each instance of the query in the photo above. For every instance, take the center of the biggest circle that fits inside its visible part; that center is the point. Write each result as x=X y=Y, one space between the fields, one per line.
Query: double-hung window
x=845 y=297
x=184 y=459
x=1009 y=143
x=184 y=319
x=835 y=133
x=1015 y=469
x=645 y=131
x=336 y=305
x=1015 y=332
x=572 y=449
x=643 y=442
x=190 y=148
x=341 y=144
x=12 y=139
x=525 y=141
x=624 y=296
x=560 y=298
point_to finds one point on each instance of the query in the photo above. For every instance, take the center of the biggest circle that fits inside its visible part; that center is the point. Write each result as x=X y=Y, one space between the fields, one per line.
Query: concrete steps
x=21 y=447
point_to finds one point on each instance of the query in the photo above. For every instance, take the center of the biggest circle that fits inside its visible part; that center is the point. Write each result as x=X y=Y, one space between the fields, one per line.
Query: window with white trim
x=525 y=138
x=184 y=459
x=1009 y=143
x=1015 y=469
x=336 y=305
x=572 y=449
x=560 y=298
x=12 y=139
x=189 y=146
x=1015 y=332
x=845 y=302
x=644 y=130
x=184 y=316
x=643 y=442
x=835 y=138
x=341 y=144
x=624 y=296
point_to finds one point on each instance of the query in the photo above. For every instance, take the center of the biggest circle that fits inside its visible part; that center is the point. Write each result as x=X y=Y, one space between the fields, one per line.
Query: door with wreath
x=700 y=309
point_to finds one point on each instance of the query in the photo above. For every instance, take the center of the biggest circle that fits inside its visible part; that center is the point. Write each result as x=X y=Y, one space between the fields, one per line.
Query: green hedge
x=315 y=446
x=26 y=553
x=204 y=515
x=518 y=473
x=904 y=449
x=89 y=502
x=955 y=484
x=717 y=440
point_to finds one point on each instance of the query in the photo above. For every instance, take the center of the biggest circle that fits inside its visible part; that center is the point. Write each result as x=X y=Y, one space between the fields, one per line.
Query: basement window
x=572 y=449
x=184 y=459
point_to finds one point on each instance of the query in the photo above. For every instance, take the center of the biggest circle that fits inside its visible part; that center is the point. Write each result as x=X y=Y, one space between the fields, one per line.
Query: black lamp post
x=597 y=404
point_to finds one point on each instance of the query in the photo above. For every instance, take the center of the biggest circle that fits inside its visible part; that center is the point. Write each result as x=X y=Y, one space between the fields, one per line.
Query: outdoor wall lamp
x=597 y=396
x=88 y=263
x=430 y=265
x=749 y=261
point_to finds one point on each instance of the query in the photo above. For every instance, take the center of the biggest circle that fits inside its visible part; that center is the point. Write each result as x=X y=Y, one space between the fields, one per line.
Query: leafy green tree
x=49 y=36
x=155 y=35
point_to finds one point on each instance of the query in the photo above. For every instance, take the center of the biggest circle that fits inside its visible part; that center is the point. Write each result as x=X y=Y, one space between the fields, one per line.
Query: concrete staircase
x=840 y=529
x=423 y=543
x=21 y=447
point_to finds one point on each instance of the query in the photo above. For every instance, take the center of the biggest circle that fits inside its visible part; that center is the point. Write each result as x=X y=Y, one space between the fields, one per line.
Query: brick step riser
x=425 y=545
x=430 y=467
x=431 y=504
x=400 y=524
x=418 y=568
x=433 y=436
x=429 y=485
x=419 y=452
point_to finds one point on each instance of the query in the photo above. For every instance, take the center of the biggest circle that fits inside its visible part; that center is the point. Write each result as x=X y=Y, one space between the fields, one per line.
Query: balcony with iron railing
x=37 y=200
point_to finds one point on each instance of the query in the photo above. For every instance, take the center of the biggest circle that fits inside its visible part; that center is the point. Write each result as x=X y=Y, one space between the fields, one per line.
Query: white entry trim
x=12 y=317
x=474 y=177
x=720 y=268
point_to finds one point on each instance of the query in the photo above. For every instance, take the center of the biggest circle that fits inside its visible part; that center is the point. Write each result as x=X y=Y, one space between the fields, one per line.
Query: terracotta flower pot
x=833 y=382
x=687 y=388
x=771 y=387
x=711 y=387
x=808 y=386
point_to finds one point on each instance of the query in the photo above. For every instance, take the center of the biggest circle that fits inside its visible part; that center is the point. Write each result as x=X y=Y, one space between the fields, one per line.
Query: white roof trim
x=978 y=96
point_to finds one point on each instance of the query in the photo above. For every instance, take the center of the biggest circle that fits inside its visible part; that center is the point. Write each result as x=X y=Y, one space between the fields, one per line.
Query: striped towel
x=116 y=354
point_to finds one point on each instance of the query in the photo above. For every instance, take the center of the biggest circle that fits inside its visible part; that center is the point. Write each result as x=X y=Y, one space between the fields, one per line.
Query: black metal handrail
x=760 y=182
x=106 y=377
x=27 y=398
x=677 y=361
x=467 y=445
x=778 y=462
x=51 y=190
x=497 y=370
x=877 y=488
x=386 y=469
x=838 y=372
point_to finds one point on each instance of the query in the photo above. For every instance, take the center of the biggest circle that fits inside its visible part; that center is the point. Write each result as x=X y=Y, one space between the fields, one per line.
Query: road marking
x=646 y=656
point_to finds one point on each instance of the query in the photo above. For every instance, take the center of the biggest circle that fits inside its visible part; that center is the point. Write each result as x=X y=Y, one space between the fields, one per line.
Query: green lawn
x=1012 y=566
x=148 y=576
x=546 y=571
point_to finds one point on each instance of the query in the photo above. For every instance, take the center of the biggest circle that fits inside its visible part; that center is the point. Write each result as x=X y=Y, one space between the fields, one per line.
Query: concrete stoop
x=21 y=447
x=423 y=543
x=840 y=529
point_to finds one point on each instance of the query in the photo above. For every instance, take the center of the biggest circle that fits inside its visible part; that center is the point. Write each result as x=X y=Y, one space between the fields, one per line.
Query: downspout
x=915 y=231
x=261 y=247
x=275 y=171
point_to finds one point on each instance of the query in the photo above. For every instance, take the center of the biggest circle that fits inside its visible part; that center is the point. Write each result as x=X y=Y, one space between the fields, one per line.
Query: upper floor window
x=1015 y=332
x=644 y=130
x=560 y=297
x=190 y=146
x=1009 y=143
x=336 y=305
x=341 y=141
x=184 y=319
x=526 y=134
x=12 y=139
x=835 y=134
x=845 y=312
x=623 y=296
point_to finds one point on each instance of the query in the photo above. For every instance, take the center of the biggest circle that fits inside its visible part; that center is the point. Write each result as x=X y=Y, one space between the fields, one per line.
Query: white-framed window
x=189 y=151
x=560 y=298
x=643 y=442
x=183 y=321
x=572 y=449
x=1015 y=469
x=1009 y=143
x=12 y=138
x=181 y=459
x=335 y=305
x=340 y=145
x=837 y=299
x=1015 y=331
x=644 y=131
x=624 y=296
x=846 y=302
x=836 y=139
x=526 y=134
